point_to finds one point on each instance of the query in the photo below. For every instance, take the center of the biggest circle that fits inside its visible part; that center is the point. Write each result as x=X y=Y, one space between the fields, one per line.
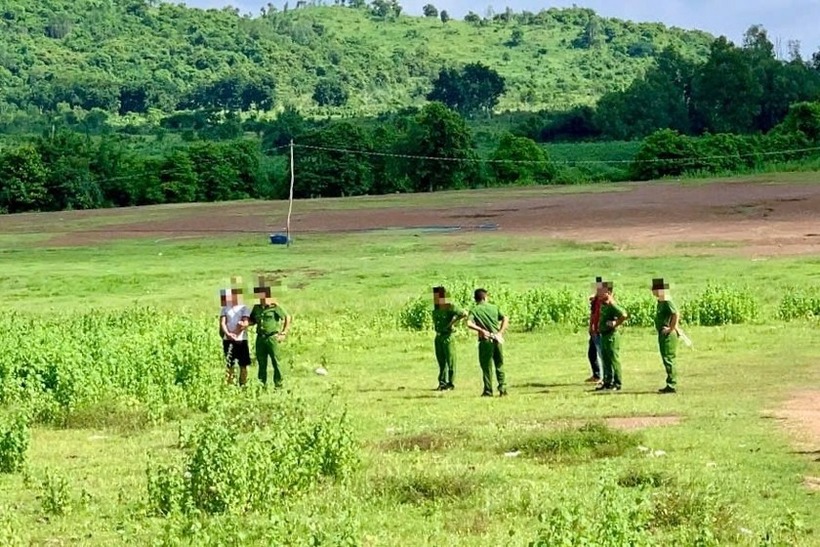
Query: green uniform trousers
x=489 y=354
x=267 y=346
x=446 y=357
x=668 y=344
x=610 y=344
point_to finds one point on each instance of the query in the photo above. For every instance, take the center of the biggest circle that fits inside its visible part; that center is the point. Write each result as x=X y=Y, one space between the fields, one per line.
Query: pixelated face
x=439 y=298
x=223 y=297
x=658 y=293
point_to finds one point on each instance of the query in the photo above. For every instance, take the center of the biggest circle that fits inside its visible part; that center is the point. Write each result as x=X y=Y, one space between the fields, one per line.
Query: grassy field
x=422 y=468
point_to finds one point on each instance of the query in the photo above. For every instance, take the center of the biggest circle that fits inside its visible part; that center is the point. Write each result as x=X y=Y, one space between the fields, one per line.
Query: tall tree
x=473 y=89
x=22 y=180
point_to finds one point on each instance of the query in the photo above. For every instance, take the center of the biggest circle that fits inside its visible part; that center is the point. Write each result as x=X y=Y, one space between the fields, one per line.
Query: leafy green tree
x=443 y=135
x=178 y=178
x=330 y=92
x=472 y=18
x=663 y=153
x=70 y=182
x=727 y=93
x=519 y=160
x=516 y=38
x=332 y=173
x=22 y=180
x=803 y=118
x=430 y=10
x=445 y=17
x=288 y=125
x=475 y=88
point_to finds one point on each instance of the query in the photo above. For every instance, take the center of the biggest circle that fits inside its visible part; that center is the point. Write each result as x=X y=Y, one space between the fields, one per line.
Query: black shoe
x=450 y=387
x=502 y=394
x=614 y=388
x=667 y=390
x=603 y=387
x=487 y=394
x=441 y=387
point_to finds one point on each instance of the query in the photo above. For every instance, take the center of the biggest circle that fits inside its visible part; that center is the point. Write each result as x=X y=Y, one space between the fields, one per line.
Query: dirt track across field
x=762 y=217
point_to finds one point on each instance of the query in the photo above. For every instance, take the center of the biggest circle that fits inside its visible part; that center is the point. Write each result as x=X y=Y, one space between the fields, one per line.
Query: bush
x=799 y=304
x=249 y=456
x=55 y=496
x=14 y=442
x=717 y=306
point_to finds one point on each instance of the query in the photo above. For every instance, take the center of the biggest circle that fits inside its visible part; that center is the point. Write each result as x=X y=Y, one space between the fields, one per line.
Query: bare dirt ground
x=800 y=416
x=762 y=218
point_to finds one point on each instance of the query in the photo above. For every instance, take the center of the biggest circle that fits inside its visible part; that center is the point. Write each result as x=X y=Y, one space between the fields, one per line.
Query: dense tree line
x=68 y=170
x=737 y=89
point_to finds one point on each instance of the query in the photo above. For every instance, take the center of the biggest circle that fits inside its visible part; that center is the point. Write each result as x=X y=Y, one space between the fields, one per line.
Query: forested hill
x=134 y=55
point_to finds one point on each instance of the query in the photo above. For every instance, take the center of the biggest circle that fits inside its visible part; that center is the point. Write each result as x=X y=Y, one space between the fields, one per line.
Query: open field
x=731 y=459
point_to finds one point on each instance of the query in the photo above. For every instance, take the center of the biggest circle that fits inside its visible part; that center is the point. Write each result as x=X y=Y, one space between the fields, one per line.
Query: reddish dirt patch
x=631 y=423
x=800 y=416
x=767 y=219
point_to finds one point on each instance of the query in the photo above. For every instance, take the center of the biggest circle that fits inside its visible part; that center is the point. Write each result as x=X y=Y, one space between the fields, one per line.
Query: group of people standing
x=605 y=320
x=234 y=320
x=484 y=318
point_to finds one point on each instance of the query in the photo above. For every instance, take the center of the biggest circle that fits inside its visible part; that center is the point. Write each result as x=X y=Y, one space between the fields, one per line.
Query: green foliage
x=722 y=305
x=473 y=89
x=55 y=494
x=22 y=180
x=246 y=457
x=14 y=441
x=518 y=160
x=570 y=445
x=799 y=303
x=435 y=486
x=330 y=92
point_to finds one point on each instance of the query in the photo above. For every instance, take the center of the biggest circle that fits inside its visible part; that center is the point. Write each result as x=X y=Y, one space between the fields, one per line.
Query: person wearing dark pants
x=612 y=317
x=445 y=317
x=490 y=324
x=594 y=347
x=266 y=316
x=666 y=323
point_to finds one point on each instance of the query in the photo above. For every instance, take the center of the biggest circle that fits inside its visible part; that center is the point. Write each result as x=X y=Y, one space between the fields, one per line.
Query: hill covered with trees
x=133 y=56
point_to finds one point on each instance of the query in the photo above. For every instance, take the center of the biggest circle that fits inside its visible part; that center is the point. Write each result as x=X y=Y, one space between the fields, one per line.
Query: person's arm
x=590 y=323
x=284 y=332
x=673 y=324
x=505 y=322
x=472 y=325
x=460 y=316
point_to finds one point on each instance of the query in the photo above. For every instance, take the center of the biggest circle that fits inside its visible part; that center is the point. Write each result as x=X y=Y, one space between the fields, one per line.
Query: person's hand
x=233 y=336
x=591 y=331
x=611 y=324
x=666 y=331
x=280 y=337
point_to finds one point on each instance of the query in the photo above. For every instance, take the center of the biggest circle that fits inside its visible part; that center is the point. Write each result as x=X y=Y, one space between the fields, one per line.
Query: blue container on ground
x=279 y=239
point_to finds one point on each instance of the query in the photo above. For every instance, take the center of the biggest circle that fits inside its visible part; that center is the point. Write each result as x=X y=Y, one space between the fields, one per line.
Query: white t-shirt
x=233 y=315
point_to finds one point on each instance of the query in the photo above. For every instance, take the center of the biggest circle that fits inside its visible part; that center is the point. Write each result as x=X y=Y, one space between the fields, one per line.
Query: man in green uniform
x=490 y=324
x=611 y=318
x=445 y=317
x=666 y=323
x=266 y=316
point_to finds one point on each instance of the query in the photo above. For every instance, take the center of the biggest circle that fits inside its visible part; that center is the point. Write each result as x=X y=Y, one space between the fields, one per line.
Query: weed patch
x=590 y=441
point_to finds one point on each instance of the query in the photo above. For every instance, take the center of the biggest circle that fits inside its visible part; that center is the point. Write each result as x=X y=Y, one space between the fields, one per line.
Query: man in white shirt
x=233 y=326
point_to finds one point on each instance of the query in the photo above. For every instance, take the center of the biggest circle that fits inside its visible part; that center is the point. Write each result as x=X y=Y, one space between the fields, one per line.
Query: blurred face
x=439 y=300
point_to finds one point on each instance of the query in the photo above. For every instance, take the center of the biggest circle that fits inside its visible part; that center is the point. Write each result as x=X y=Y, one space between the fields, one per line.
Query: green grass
x=610 y=151
x=435 y=468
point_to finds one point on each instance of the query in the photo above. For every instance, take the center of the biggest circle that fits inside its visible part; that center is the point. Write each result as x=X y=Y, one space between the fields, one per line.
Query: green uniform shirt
x=487 y=316
x=609 y=312
x=442 y=317
x=663 y=316
x=266 y=318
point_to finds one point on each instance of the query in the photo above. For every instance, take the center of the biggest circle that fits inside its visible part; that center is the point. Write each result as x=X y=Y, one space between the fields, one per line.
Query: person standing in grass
x=445 y=317
x=594 y=347
x=267 y=315
x=666 y=323
x=490 y=324
x=611 y=318
x=234 y=324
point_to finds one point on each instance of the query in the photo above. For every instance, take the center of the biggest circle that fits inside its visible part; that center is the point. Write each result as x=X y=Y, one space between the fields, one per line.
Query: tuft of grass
x=430 y=487
x=639 y=478
x=111 y=415
x=434 y=441
x=591 y=441
x=686 y=505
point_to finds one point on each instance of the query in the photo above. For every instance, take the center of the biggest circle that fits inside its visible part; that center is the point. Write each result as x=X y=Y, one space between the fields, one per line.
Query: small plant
x=421 y=487
x=640 y=479
x=577 y=444
x=14 y=442
x=55 y=497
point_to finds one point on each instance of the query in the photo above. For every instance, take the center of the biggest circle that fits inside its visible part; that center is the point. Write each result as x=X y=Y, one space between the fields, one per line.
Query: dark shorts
x=236 y=353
